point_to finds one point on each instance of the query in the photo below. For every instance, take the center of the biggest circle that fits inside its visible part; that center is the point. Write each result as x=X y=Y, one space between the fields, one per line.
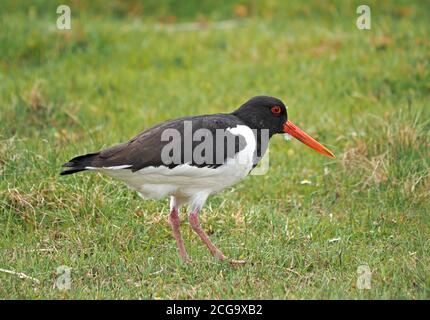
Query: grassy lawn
x=126 y=66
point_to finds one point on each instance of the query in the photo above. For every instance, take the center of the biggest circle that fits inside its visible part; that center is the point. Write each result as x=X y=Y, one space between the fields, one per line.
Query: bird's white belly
x=183 y=180
x=186 y=181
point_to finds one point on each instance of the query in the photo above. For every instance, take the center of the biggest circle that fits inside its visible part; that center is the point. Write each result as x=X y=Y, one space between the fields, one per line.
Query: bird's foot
x=236 y=263
x=186 y=259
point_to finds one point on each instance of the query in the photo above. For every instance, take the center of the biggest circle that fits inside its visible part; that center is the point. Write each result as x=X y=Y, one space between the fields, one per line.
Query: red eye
x=276 y=110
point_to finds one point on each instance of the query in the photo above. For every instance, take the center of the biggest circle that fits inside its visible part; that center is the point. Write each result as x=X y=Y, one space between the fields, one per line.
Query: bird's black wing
x=146 y=149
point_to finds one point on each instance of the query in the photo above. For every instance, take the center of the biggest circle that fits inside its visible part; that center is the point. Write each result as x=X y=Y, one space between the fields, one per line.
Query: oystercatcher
x=192 y=158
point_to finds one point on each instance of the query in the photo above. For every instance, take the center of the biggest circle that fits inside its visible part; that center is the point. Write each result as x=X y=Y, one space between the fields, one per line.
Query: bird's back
x=146 y=149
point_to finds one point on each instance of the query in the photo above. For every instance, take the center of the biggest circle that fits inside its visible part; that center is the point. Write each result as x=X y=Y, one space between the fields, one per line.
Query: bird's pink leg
x=195 y=224
x=175 y=222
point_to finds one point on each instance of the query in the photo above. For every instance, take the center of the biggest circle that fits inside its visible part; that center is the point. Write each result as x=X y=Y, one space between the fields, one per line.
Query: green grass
x=363 y=93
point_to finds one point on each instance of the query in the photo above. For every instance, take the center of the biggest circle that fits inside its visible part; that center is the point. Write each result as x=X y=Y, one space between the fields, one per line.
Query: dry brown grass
x=417 y=187
x=22 y=204
x=373 y=169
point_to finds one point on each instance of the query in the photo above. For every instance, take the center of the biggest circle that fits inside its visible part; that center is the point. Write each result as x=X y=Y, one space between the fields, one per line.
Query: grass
x=128 y=65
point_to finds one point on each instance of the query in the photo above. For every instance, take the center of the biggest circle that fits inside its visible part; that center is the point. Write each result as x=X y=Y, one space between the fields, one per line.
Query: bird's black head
x=263 y=112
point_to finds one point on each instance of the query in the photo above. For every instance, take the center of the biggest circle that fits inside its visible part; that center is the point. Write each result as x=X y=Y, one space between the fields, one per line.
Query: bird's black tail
x=78 y=164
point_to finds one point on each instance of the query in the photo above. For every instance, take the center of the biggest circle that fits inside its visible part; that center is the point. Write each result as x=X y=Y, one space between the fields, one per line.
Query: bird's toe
x=236 y=263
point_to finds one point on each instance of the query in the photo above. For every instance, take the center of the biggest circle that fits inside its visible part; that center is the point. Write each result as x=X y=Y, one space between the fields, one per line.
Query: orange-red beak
x=302 y=136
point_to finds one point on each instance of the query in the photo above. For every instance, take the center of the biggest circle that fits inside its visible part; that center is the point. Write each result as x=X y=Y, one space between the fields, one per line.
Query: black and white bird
x=191 y=158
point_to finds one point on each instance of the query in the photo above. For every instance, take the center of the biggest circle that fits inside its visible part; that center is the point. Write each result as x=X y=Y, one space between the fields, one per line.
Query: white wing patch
x=125 y=166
